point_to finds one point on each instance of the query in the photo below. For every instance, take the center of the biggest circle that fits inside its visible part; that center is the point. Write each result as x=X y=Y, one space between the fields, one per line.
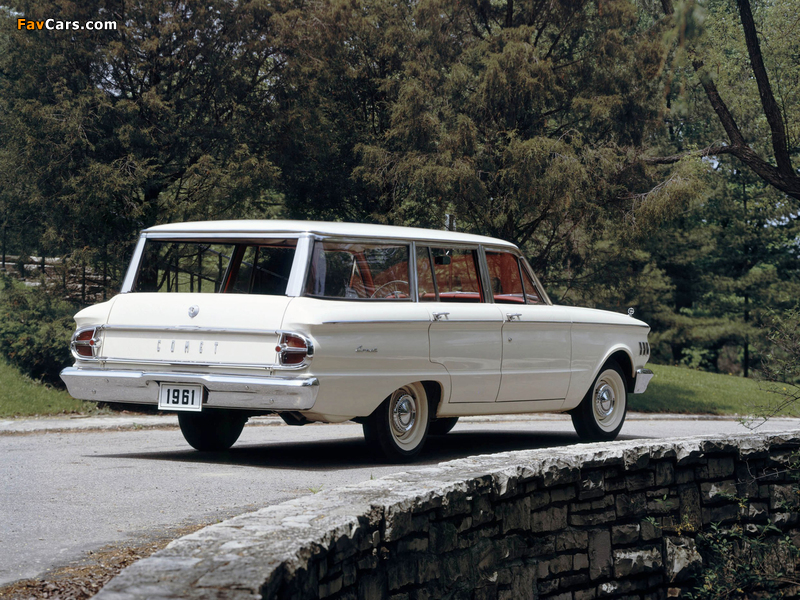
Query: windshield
x=187 y=266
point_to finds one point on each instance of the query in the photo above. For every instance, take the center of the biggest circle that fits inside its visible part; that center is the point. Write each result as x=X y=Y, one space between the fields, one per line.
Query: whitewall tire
x=601 y=414
x=399 y=426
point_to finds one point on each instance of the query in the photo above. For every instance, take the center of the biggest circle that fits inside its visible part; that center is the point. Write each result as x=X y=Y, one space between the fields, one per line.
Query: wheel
x=211 y=430
x=399 y=426
x=393 y=289
x=601 y=413
x=442 y=426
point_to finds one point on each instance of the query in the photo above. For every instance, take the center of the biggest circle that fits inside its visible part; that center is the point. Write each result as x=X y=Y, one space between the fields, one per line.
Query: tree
x=719 y=58
x=162 y=119
x=522 y=118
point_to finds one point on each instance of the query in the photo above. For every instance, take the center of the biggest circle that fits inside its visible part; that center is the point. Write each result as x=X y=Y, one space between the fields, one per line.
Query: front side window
x=532 y=294
x=344 y=270
x=509 y=280
x=504 y=278
x=170 y=266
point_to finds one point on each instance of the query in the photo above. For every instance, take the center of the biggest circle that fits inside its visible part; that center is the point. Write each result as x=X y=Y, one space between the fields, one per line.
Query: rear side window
x=355 y=271
x=262 y=269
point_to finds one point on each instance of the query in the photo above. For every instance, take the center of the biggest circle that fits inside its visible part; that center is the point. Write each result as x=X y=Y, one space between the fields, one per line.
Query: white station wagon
x=403 y=330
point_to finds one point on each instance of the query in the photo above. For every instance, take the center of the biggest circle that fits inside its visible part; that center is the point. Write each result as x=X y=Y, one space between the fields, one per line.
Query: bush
x=35 y=331
x=748 y=560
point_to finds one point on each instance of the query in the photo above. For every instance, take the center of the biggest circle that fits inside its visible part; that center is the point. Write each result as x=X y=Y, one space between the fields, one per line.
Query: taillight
x=294 y=350
x=86 y=343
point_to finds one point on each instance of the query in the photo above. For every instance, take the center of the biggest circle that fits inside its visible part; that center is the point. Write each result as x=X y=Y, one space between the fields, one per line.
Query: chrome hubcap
x=404 y=413
x=604 y=401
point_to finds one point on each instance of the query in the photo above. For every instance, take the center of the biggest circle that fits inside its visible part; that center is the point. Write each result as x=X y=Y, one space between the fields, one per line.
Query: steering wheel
x=395 y=292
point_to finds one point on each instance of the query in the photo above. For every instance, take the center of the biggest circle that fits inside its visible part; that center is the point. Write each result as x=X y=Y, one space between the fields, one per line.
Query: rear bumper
x=643 y=377
x=224 y=391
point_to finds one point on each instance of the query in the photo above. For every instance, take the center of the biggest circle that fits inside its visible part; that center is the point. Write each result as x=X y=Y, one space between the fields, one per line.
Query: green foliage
x=742 y=564
x=780 y=367
x=23 y=397
x=35 y=332
x=749 y=560
x=105 y=132
x=708 y=277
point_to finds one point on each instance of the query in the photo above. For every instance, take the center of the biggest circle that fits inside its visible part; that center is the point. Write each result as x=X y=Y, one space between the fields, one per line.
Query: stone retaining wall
x=590 y=521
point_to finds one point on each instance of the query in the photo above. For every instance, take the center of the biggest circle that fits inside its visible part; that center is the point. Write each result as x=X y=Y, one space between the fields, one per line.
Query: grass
x=22 y=397
x=682 y=390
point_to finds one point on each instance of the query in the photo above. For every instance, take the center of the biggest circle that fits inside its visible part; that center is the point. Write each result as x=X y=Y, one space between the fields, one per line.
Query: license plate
x=180 y=397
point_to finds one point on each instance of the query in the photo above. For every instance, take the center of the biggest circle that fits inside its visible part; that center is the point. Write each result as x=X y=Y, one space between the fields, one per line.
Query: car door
x=535 y=335
x=465 y=331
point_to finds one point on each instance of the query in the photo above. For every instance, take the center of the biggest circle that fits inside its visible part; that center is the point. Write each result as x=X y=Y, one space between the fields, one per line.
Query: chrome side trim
x=643 y=377
x=193 y=329
x=134 y=362
x=224 y=391
x=389 y=322
x=609 y=324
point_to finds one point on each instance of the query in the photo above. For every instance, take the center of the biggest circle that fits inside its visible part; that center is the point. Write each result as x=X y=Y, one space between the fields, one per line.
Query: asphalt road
x=66 y=493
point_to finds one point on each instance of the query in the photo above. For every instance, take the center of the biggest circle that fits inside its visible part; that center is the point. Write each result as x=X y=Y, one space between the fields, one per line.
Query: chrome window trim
x=412 y=273
x=133 y=268
x=483 y=269
x=302 y=259
x=224 y=237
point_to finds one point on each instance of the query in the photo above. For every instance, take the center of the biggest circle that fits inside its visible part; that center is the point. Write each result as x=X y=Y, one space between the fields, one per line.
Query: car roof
x=324 y=228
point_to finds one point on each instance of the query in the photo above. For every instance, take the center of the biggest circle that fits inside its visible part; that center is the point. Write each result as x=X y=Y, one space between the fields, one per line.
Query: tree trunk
x=783 y=177
x=771 y=110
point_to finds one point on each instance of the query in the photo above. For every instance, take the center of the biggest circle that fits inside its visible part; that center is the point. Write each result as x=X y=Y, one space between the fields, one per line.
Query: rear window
x=170 y=266
x=355 y=271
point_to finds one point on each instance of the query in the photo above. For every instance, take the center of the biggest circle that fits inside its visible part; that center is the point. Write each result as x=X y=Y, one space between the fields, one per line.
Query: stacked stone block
x=594 y=521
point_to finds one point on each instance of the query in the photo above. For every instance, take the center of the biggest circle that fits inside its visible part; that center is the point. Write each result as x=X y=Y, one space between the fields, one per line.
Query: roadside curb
x=63 y=424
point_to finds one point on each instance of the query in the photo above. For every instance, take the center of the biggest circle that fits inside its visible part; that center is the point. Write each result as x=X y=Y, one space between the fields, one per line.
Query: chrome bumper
x=224 y=391
x=643 y=377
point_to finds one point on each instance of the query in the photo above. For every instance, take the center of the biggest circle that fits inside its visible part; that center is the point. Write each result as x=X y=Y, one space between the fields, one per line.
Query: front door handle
x=440 y=315
x=513 y=316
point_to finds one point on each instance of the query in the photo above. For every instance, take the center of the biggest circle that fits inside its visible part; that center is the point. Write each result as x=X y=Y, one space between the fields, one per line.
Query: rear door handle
x=513 y=316
x=438 y=316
